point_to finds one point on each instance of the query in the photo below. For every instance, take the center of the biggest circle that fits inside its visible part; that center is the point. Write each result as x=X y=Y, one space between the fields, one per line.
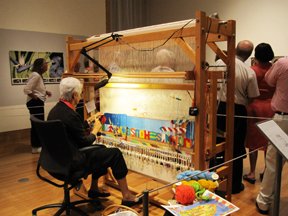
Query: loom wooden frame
x=207 y=31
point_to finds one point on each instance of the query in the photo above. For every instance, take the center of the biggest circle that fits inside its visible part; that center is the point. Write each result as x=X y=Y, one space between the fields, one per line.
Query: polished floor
x=21 y=190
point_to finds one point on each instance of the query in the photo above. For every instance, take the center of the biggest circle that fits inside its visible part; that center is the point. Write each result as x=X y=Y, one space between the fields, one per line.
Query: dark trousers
x=240 y=127
x=36 y=108
x=104 y=158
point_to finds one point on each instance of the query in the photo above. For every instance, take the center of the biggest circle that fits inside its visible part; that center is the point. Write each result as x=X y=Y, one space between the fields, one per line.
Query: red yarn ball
x=185 y=194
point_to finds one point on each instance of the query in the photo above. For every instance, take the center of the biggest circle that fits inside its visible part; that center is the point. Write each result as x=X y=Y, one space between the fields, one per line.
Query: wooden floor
x=21 y=190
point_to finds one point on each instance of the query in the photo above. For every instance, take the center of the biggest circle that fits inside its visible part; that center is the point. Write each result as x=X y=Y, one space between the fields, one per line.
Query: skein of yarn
x=185 y=194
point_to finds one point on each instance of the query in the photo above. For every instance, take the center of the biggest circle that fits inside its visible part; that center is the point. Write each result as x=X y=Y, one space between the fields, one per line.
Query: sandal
x=131 y=203
x=252 y=181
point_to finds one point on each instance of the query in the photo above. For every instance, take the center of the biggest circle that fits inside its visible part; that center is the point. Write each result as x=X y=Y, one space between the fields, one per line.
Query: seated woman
x=102 y=158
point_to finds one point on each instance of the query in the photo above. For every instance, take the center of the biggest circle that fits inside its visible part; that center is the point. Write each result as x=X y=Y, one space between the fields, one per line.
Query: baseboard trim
x=16 y=135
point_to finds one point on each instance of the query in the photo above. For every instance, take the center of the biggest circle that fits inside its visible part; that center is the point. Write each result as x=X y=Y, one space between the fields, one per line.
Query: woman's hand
x=96 y=116
x=49 y=93
x=96 y=127
x=32 y=95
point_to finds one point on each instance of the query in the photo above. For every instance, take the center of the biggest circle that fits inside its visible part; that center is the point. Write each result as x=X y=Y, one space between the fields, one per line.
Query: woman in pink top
x=261 y=107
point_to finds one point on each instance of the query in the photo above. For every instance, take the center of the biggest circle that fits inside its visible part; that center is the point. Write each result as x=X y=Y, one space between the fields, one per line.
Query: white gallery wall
x=75 y=17
x=257 y=20
x=40 y=26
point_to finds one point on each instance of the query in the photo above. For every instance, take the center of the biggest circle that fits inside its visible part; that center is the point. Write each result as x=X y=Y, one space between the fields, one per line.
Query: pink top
x=278 y=76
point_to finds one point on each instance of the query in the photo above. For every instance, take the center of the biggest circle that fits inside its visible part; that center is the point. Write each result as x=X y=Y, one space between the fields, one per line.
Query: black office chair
x=56 y=158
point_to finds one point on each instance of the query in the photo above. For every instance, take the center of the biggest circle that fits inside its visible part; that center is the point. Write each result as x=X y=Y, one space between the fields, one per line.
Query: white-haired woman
x=70 y=93
x=165 y=60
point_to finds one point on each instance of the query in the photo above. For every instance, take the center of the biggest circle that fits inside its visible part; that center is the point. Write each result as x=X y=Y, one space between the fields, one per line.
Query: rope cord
x=149 y=50
x=80 y=107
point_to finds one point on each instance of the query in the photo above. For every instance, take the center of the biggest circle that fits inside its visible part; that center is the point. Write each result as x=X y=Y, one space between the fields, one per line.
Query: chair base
x=67 y=207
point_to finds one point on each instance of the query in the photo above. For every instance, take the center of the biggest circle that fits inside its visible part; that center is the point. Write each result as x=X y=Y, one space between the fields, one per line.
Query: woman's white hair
x=165 y=57
x=68 y=86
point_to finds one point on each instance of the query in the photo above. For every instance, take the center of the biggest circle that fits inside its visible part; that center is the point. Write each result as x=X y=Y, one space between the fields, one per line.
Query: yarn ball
x=191 y=182
x=188 y=173
x=196 y=186
x=177 y=184
x=185 y=182
x=204 y=183
x=208 y=184
x=208 y=176
x=185 y=194
x=205 y=175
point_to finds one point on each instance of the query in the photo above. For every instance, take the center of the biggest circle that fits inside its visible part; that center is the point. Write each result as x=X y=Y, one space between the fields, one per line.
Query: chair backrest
x=56 y=155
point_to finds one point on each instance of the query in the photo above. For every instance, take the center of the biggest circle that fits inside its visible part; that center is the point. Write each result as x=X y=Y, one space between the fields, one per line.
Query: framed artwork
x=21 y=64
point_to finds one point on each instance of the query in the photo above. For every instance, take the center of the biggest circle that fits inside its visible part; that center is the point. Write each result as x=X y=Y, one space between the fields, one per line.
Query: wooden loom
x=207 y=31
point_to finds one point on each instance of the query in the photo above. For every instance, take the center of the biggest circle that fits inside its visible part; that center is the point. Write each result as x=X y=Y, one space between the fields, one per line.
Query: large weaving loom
x=147 y=113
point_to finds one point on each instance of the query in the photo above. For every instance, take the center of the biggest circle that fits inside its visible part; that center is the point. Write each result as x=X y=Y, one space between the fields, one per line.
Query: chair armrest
x=92 y=147
x=88 y=151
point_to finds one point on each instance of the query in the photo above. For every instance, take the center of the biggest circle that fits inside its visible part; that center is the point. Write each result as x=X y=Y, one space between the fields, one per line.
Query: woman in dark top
x=103 y=158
